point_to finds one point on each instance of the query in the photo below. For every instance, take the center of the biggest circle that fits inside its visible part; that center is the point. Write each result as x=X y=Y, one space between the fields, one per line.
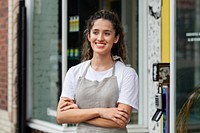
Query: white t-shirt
x=127 y=80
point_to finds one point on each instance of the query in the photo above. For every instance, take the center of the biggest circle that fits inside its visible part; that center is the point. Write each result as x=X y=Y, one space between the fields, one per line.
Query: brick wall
x=8 y=65
x=3 y=54
x=8 y=54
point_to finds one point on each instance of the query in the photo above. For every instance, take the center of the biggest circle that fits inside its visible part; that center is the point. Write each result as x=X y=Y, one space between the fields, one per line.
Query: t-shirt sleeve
x=68 y=89
x=129 y=88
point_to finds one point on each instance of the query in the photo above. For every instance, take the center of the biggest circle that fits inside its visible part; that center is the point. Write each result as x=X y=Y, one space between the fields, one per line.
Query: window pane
x=129 y=14
x=188 y=61
x=46 y=59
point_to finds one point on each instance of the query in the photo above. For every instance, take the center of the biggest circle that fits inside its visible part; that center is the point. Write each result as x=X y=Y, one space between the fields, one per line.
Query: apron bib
x=95 y=94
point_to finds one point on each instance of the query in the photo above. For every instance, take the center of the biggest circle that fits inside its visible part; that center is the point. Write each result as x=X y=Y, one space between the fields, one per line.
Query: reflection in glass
x=188 y=57
x=46 y=60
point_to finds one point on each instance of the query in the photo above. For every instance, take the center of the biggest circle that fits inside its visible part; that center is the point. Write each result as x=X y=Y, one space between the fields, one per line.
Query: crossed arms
x=69 y=112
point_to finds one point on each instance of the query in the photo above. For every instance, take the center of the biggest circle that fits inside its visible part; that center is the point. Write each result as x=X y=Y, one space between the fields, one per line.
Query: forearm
x=68 y=112
x=101 y=122
x=76 y=115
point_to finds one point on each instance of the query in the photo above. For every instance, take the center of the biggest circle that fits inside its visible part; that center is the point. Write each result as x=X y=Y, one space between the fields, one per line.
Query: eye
x=107 y=33
x=94 y=32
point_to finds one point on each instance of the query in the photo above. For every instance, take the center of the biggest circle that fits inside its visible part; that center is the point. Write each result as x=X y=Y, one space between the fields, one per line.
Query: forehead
x=102 y=24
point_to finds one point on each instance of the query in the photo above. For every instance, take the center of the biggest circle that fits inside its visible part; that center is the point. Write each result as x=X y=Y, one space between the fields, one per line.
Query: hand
x=68 y=104
x=118 y=115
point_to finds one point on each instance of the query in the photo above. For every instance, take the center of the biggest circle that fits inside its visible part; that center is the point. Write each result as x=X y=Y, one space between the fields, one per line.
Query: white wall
x=154 y=56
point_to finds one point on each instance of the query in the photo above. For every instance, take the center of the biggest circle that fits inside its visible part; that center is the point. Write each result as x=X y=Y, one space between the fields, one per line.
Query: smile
x=100 y=44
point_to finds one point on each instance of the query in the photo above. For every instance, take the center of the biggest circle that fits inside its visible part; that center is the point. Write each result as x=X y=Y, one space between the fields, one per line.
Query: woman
x=100 y=93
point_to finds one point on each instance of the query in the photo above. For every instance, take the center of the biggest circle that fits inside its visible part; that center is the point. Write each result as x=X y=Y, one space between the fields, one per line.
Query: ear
x=88 y=36
x=116 y=39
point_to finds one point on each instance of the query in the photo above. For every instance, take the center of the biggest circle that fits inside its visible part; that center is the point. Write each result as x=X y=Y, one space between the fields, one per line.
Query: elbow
x=59 y=119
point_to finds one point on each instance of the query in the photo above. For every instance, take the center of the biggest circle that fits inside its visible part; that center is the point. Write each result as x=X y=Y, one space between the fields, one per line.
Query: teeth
x=99 y=44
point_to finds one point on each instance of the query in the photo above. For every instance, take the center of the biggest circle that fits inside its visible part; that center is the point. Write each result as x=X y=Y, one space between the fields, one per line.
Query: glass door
x=187 y=65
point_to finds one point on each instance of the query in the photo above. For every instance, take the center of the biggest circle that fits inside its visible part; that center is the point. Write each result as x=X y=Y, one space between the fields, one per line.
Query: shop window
x=46 y=60
x=187 y=63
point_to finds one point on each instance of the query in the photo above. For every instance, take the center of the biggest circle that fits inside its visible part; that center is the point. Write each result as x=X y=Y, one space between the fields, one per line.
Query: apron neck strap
x=113 y=71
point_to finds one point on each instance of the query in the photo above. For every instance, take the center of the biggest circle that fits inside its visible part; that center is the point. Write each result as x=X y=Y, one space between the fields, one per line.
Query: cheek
x=111 y=40
x=91 y=39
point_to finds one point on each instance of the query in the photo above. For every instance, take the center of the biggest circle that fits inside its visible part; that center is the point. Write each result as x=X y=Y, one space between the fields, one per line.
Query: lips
x=100 y=43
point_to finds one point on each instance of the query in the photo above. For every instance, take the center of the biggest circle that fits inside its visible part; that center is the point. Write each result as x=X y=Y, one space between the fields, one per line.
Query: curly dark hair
x=118 y=49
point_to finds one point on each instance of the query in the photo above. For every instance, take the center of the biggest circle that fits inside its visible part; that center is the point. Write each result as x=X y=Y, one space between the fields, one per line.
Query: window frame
x=172 y=100
x=143 y=58
x=30 y=10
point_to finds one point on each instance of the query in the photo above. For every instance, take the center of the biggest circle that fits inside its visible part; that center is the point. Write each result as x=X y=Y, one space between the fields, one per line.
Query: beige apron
x=95 y=94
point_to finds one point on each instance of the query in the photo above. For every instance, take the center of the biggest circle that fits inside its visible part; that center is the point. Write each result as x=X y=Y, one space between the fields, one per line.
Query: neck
x=102 y=63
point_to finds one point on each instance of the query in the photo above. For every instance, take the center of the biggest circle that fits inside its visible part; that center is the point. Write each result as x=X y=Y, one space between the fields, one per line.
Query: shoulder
x=124 y=69
x=79 y=68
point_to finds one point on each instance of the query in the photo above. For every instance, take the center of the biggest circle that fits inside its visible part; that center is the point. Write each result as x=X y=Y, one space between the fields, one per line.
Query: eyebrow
x=103 y=30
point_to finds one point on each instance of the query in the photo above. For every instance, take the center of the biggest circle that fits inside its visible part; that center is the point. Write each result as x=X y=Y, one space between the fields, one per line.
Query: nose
x=100 y=37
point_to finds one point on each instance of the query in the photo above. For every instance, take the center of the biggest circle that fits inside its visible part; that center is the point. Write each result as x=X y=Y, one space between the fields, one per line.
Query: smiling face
x=102 y=37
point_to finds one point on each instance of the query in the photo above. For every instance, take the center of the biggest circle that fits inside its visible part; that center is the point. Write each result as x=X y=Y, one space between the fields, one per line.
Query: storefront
x=156 y=31
x=55 y=31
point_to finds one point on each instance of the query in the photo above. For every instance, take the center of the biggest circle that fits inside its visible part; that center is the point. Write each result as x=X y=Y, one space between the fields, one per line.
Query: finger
x=68 y=100
x=122 y=110
x=66 y=108
x=123 y=114
x=74 y=106
x=121 y=117
x=65 y=104
x=120 y=122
